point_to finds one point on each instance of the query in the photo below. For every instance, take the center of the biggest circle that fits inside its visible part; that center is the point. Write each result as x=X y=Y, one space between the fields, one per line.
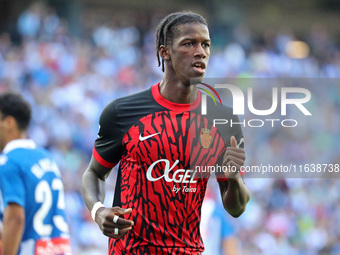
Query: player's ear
x=164 y=52
x=10 y=122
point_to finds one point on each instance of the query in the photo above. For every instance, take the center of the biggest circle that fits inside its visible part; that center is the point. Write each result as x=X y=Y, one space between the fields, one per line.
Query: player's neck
x=15 y=135
x=175 y=91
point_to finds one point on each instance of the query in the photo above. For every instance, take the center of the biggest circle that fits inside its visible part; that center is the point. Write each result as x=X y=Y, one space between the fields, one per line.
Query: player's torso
x=157 y=177
x=46 y=230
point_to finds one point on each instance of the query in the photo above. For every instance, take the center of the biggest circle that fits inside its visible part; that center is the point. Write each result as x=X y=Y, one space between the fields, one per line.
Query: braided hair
x=166 y=28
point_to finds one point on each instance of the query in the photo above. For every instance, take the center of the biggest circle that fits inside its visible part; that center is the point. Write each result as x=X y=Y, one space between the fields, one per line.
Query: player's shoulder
x=132 y=103
x=11 y=157
x=21 y=154
x=218 y=110
x=43 y=152
x=8 y=164
x=136 y=96
x=26 y=151
x=135 y=99
x=227 y=109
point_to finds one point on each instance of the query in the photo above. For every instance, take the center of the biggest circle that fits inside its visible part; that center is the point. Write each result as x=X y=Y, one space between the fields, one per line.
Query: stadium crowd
x=70 y=80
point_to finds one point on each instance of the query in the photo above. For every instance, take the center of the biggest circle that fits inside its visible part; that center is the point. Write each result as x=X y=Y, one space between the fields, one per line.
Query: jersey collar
x=19 y=143
x=174 y=106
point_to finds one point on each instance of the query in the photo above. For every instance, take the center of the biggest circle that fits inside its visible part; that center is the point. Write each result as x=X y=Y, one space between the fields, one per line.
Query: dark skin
x=234 y=192
x=190 y=44
x=93 y=186
x=189 y=47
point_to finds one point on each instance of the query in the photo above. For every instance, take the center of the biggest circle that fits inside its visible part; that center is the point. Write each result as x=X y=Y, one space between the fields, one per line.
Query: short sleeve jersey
x=157 y=143
x=30 y=178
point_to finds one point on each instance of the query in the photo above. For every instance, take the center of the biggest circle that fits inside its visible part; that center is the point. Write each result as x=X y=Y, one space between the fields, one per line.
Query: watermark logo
x=204 y=97
x=281 y=98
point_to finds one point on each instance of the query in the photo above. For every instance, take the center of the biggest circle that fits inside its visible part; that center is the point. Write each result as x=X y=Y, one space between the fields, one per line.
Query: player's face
x=189 y=51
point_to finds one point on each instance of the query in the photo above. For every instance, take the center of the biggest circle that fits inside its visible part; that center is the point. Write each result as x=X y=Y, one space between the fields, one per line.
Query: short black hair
x=166 y=28
x=13 y=104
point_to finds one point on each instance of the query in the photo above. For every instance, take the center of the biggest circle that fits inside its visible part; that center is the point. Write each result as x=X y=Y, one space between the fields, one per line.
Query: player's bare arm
x=93 y=187
x=234 y=192
x=14 y=224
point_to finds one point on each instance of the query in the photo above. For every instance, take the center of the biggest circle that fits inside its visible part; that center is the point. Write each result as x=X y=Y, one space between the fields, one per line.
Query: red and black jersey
x=157 y=142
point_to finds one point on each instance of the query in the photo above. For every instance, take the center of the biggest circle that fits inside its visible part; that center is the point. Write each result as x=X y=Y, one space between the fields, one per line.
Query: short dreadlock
x=166 y=28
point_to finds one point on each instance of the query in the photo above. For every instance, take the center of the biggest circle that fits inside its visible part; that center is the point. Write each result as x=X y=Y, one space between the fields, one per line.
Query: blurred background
x=70 y=58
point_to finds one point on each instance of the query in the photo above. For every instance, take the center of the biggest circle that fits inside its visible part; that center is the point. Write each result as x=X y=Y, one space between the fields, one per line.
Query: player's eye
x=189 y=44
x=206 y=45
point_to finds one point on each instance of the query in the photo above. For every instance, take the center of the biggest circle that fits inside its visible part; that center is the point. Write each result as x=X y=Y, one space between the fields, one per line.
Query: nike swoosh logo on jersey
x=142 y=138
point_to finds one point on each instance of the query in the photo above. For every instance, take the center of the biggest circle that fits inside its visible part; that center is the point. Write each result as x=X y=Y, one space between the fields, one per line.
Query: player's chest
x=175 y=139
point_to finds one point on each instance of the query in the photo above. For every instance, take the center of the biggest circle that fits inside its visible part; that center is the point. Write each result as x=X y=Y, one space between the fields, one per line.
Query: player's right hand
x=104 y=219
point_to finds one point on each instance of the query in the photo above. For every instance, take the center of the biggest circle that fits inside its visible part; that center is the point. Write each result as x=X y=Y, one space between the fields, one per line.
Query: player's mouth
x=199 y=67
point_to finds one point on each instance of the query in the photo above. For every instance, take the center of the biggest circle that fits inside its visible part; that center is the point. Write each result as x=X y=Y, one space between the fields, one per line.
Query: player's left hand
x=104 y=219
x=234 y=159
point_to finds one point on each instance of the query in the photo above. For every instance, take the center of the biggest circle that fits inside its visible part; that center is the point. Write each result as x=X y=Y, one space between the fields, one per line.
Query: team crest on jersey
x=205 y=138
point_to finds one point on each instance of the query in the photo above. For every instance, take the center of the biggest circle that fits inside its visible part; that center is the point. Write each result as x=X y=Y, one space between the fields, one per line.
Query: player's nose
x=200 y=52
